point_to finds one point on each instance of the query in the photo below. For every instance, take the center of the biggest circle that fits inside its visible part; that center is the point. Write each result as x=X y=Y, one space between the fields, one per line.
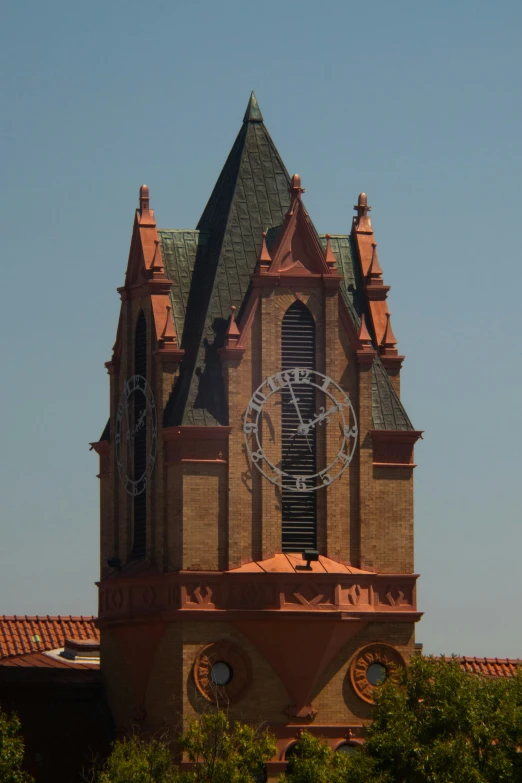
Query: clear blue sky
x=418 y=104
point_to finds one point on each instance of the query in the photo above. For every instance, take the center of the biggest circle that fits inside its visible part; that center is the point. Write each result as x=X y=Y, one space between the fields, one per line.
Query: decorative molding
x=394 y=448
x=196 y=444
x=376 y=653
x=388 y=597
x=239 y=663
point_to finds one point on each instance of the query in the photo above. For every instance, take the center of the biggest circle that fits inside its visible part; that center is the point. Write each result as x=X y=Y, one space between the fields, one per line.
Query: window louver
x=140 y=441
x=298 y=452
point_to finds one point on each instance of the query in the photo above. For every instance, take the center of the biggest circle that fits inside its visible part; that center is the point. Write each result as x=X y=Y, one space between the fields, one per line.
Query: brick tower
x=256 y=471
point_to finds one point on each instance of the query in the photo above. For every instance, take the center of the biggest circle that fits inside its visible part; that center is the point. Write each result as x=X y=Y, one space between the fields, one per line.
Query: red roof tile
x=487 y=667
x=490 y=667
x=43 y=661
x=20 y=634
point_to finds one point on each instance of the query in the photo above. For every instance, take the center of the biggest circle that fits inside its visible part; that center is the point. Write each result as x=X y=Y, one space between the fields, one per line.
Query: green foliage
x=313 y=761
x=441 y=724
x=220 y=752
x=224 y=752
x=134 y=760
x=11 y=750
x=438 y=725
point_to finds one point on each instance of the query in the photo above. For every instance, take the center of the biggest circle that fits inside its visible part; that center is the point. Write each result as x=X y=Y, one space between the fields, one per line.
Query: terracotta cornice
x=394 y=448
x=101 y=446
x=377 y=293
x=190 y=431
x=368 y=597
x=169 y=354
x=146 y=288
x=365 y=357
x=191 y=444
x=392 y=363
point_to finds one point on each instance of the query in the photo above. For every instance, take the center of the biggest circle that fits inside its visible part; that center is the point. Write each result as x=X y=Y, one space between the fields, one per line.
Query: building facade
x=256 y=471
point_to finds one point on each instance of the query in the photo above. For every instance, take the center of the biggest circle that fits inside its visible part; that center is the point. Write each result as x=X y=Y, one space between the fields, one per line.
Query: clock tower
x=256 y=471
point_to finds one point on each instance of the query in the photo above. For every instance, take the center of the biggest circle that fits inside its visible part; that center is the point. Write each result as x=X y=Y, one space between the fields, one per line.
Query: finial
x=144 y=198
x=295 y=188
x=168 y=332
x=362 y=207
x=374 y=270
x=389 y=341
x=328 y=253
x=156 y=263
x=264 y=260
x=364 y=334
x=253 y=112
x=232 y=334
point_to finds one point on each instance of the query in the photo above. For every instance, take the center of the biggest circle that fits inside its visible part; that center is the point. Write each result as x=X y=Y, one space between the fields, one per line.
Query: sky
x=418 y=104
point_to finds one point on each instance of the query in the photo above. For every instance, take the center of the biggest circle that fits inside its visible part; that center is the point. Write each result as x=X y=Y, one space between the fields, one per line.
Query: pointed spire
x=389 y=341
x=264 y=260
x=374 y=271
x=156 y=264
x=232 y=334
x=329 y=255
x=169 y=334
x=253 y=112
x=364 y=334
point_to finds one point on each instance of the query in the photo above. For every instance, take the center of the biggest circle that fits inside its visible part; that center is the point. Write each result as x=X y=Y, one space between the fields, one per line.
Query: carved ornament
x=376 y=653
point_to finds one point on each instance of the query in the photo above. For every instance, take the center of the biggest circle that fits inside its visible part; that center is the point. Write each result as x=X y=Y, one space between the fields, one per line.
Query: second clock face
x=136 y=435
x=304 y=401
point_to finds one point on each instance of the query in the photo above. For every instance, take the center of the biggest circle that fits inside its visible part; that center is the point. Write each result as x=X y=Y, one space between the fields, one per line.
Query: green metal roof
x=211 y=269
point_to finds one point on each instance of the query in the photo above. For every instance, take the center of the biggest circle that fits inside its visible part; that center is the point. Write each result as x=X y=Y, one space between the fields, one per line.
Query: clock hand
x=304 y=428
x=302 y=424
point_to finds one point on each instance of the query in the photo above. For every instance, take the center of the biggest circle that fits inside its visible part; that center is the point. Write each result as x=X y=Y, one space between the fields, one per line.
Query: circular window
x=376 y=673
x=371 y=666
x=221 y=673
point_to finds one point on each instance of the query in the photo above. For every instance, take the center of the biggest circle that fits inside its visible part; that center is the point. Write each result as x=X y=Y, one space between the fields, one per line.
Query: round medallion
x=311 y=400
x=222 y=671
x=371 y=666
x=136 y=435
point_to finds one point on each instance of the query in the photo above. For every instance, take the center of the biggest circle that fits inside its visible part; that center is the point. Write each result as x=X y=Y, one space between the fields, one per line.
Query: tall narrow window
x=299 y=451
x=140 y=441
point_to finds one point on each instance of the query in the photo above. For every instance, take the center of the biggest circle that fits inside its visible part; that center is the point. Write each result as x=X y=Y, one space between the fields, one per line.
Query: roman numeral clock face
x=306 y=403
x=136 y=435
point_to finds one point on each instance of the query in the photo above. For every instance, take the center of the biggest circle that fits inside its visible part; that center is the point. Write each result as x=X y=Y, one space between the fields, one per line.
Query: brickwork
x=210 y=510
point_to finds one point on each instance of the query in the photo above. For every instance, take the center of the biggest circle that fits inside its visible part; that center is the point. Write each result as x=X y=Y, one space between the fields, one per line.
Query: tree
x=220 y=752
x=223 y=752
x=11 y=750
x=437 y=725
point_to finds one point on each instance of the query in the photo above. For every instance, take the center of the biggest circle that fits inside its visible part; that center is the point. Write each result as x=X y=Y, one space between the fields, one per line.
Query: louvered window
x=298 y=451
x=140 y=441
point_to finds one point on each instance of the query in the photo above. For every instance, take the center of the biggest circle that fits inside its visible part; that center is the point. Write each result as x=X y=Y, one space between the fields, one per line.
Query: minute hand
x=302 y=425
x=305 y=428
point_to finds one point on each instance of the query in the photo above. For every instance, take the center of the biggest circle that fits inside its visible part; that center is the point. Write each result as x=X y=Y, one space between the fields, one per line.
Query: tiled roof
x=387 y=410
x=490 y=667
x=211 y=269
x=251 y=195
x=41 y=660
x=20 y=634
x=180 y=249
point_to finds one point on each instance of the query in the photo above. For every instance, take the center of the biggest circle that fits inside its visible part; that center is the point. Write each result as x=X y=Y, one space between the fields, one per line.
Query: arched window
x=290 y=750
x=347 y=747
x=298 y=451
x=139 y=544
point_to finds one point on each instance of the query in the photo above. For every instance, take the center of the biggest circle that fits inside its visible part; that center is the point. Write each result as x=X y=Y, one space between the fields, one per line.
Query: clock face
x=136 y=435
x=305 y=401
